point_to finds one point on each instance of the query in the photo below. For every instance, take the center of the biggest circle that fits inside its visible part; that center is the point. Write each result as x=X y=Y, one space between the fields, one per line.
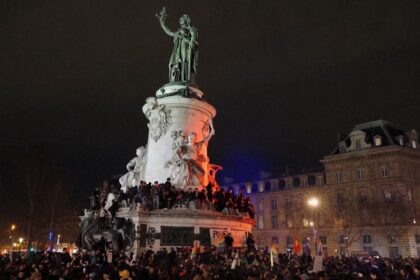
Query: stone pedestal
x=171 y=120
x=184 y=227
x=180 y=128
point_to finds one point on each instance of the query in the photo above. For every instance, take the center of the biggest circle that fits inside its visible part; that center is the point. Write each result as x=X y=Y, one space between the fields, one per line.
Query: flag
x=315 y=232
x=195 y=249
x=296 y=247
x=319 y=249
x=273 y=255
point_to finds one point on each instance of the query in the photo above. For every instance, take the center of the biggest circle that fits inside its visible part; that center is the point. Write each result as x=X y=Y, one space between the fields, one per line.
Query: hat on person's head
x=36 y=275
x=124 y=274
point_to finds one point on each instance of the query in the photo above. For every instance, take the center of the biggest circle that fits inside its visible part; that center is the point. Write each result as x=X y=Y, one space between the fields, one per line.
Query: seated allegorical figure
x=135 y=169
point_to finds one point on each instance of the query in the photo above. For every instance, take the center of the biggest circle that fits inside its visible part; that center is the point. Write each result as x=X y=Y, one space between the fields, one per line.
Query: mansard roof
x=389 y=134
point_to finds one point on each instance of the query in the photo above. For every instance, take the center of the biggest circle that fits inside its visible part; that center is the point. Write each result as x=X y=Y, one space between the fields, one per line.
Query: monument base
x=184 y=227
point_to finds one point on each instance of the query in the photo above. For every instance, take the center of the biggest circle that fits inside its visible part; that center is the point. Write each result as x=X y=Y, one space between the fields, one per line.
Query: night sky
x=285 y=76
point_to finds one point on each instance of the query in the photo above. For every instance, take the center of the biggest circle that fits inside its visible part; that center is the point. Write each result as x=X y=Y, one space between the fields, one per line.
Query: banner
x=217 y=237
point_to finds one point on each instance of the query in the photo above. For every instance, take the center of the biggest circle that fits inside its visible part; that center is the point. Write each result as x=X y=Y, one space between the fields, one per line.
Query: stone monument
x=180 y=123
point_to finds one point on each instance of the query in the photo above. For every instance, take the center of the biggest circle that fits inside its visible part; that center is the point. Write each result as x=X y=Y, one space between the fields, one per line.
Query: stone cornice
x=183 y=102
x=371 y=153
x=180 y=213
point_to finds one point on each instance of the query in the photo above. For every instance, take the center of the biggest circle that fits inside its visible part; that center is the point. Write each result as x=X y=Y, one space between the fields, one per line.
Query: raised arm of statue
x=162 y=17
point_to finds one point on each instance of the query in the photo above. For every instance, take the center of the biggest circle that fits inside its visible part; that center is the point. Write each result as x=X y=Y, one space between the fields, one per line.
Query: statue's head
x=140 y=151
x=191 y=137
x=185 y=21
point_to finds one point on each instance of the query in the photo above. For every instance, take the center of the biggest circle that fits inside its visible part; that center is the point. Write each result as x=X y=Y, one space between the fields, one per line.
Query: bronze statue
x=121 y=235
x=183 y=63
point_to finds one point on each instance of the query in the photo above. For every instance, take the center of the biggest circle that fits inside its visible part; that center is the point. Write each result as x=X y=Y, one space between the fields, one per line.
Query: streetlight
x=58 y=241
x=12 y=228
x=313 y=202
x=20 y=244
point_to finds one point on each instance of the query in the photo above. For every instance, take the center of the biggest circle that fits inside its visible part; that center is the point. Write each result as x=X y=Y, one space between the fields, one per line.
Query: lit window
x=305 y=222
x=378 y=140
x=274 y=204
x=338 y=177
x=401 y=140
x=414 y=144
x=320 y=180
x=360 y=174
x=274 y=222
x=358 y=144
x=261 y=187
x=248 y=188
x=384 y=171
x=260 y=222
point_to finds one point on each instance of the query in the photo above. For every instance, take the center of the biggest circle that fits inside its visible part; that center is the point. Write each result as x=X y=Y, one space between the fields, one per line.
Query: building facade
x=366 y=198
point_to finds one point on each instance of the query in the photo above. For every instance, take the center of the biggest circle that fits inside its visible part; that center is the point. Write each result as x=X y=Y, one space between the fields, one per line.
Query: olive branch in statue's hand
x=162 y=14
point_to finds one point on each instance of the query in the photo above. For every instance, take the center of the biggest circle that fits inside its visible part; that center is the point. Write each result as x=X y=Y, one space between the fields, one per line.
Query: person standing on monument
x=228 y=243
x=155 y=194
x=183 y=62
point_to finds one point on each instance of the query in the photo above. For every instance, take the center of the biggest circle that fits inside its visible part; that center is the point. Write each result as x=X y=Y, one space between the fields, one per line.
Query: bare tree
x=40 y=179
x=350 y=222
x=394 y=215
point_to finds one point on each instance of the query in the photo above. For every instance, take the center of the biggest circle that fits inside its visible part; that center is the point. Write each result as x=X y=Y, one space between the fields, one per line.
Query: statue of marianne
x=183 y=63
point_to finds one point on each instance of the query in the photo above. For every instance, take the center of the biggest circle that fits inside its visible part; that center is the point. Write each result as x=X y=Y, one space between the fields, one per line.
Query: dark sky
x=285 y=77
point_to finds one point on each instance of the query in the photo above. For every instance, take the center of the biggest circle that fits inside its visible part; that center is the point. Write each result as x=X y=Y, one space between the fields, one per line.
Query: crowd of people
x=107 y=199
x=201 y=263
